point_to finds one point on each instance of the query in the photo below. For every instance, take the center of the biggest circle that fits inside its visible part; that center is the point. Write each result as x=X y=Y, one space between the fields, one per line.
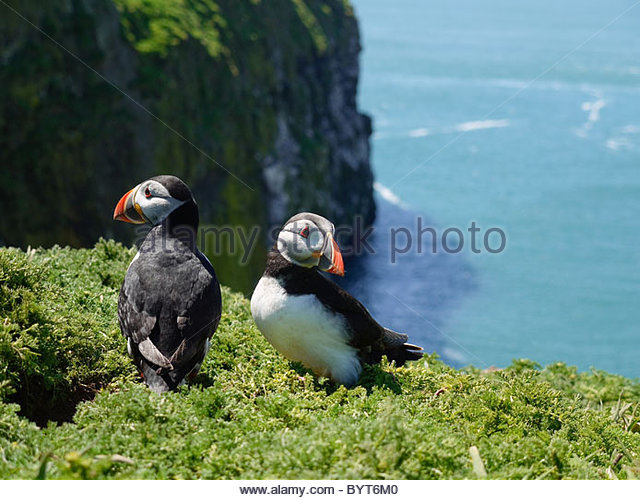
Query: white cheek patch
x=158 y=209
x=293 y=247
x=159 y=205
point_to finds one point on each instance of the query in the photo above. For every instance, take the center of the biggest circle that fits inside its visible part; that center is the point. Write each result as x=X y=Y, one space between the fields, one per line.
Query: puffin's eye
x=147 y=192
x=305 y=232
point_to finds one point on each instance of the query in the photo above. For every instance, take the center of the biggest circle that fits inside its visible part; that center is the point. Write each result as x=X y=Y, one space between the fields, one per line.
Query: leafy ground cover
x=73 y=407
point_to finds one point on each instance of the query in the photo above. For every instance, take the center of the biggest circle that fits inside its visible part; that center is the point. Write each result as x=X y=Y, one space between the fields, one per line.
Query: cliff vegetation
x=252 y=103
x=73 y=407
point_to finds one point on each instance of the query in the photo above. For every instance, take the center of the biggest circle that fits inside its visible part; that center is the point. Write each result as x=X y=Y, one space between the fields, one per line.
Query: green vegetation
x=59 y=338
x=252 y=414
x=167 y=23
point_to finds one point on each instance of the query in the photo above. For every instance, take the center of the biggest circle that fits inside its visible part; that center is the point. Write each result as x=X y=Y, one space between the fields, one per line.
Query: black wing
x=365 y=330
x=367 y=335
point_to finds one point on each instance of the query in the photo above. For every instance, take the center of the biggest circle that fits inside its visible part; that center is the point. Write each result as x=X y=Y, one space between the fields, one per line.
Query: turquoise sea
x=523 y=116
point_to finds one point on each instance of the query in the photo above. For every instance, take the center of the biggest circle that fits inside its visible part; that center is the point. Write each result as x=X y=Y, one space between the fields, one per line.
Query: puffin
x=310 y=319
x=170 y=302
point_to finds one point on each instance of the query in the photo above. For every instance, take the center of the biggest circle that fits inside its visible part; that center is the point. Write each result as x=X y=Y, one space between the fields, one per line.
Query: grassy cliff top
x=252 y=414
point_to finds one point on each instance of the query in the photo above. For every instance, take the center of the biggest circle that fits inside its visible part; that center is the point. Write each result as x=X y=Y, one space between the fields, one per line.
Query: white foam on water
x=460 y=127
x=481 y=125
x=403 y=81
x=624 y=138
x=593 y=107
x=387 y=194
x=618 y=143
x=419 y=132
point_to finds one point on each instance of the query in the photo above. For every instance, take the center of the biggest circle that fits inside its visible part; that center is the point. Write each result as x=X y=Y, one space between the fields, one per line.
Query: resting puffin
x=170 y=303
x=309 y=318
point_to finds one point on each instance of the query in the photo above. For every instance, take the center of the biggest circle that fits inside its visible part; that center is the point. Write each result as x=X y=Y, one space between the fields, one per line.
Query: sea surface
x=520 y=116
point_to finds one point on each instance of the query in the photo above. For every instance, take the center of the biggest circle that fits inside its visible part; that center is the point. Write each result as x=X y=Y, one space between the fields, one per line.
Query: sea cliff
x=253 y=103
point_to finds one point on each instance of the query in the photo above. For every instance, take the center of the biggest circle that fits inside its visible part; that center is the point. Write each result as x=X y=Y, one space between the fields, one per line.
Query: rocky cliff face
x=251 y=102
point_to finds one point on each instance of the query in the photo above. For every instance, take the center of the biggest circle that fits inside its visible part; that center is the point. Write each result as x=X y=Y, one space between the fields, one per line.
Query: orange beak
x=127 y=211
x=337 y=265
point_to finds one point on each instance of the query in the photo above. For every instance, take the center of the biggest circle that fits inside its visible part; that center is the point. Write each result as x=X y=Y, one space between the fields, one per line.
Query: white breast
x=303 y=330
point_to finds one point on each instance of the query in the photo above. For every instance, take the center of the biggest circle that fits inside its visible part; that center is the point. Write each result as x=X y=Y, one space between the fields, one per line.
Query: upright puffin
x=170 y=302
x=309 y=318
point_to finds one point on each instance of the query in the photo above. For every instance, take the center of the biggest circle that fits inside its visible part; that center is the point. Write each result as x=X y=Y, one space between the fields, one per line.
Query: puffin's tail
x=160 y=380
x=168 y=378
x=397 y=348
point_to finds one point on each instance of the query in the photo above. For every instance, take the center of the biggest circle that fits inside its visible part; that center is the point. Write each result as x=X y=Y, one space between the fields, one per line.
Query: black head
x=160 y=198
x=176 y=187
